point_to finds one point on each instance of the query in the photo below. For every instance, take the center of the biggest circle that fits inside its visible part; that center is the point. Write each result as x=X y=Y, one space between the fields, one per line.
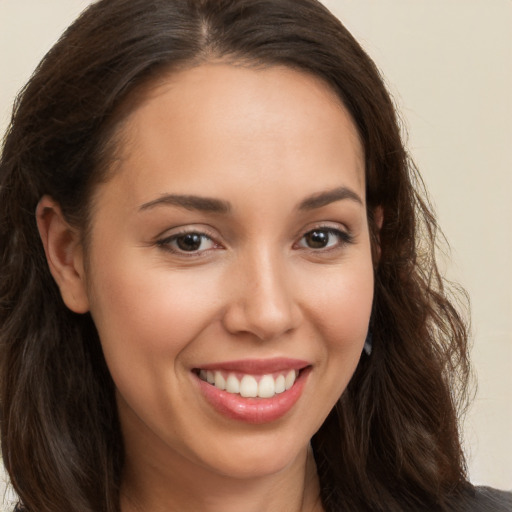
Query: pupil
x=317 y=239
x=189 y=242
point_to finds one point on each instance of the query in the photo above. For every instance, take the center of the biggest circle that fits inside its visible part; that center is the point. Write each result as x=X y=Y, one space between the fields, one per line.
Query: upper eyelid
x=327 y=225
x=185 y=233
x=345 y=235
x=184 y=230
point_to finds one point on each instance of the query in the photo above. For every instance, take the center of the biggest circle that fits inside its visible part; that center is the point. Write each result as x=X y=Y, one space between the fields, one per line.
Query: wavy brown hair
x=391 y=443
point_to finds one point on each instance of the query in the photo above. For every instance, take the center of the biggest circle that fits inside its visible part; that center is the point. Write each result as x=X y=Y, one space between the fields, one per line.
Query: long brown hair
x=391 y=443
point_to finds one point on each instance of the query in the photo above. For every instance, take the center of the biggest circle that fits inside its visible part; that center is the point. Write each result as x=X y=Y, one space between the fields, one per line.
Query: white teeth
x=248 y=386
x=232 y=384
x=266 y=387
x=280 y=384
x=290 y=379
x=219 y=382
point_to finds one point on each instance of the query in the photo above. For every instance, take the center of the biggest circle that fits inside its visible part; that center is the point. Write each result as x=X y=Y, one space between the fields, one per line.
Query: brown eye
x=189 y=242
x=317 y=239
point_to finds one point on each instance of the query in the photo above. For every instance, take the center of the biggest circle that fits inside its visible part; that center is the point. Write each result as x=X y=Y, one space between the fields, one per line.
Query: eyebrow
x=328 y=197
x=213 y=205
x=189 y=202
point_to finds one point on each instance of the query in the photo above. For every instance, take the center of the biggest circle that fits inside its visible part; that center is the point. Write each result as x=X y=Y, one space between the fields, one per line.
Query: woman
x=179 y=333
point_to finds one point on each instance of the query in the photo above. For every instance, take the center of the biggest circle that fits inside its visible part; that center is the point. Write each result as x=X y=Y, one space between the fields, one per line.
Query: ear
x=64 y=254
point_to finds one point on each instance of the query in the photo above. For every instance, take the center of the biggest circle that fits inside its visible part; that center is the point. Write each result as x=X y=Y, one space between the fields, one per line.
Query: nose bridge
x=264 y=303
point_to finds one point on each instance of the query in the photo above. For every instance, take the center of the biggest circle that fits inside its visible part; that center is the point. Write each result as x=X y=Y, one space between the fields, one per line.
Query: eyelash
x=344 y=238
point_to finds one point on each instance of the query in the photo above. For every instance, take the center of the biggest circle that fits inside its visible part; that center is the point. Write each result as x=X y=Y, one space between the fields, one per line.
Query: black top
x=489 y=500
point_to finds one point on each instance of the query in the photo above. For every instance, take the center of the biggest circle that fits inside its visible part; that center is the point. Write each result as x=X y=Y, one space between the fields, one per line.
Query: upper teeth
x=248 y=385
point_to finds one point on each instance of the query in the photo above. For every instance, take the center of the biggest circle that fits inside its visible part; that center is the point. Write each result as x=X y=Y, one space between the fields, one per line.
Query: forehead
x=221 y=123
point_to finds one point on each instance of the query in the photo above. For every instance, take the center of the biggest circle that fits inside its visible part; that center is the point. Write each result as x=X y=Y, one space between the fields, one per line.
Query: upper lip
x=258 y=366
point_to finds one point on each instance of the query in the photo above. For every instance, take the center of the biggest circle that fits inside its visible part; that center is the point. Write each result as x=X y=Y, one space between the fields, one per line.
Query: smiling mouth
x=250 y=386
x=254 y=391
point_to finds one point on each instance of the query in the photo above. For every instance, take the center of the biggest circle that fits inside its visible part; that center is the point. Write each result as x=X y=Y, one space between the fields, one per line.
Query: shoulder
x=486 y=499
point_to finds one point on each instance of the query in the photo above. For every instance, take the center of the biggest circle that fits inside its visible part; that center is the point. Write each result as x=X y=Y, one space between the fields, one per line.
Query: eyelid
x=202 y=229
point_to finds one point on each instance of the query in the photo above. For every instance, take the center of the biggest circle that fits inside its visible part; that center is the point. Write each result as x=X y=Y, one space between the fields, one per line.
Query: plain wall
x=448 y=65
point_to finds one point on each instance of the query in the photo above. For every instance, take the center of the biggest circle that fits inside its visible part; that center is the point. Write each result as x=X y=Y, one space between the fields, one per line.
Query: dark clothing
x=489 y=500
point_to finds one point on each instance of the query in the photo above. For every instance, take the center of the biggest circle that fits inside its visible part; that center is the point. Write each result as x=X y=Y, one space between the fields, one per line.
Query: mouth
x=256 y=391
x=248 y=385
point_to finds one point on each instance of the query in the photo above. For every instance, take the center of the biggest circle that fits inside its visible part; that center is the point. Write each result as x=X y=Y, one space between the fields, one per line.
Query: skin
x=264 y=141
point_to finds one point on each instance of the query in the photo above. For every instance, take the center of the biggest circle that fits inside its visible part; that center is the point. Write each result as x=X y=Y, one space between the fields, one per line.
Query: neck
x=147 y=485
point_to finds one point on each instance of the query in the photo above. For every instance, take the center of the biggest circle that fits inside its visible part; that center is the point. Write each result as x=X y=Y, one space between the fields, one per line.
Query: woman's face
x=231 y=245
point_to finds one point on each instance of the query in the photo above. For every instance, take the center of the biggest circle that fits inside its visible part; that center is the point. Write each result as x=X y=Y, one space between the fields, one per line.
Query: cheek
x=343 y=303
x=146 y=314
x=342 y=308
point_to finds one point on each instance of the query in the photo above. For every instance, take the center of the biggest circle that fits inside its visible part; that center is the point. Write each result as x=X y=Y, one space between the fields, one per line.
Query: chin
x=256 y=467
x=259 y=457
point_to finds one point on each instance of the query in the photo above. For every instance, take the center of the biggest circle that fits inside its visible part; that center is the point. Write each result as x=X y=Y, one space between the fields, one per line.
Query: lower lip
x=254 y=410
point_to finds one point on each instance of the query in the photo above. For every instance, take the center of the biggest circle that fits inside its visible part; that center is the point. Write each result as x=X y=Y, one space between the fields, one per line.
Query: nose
x=262 y=302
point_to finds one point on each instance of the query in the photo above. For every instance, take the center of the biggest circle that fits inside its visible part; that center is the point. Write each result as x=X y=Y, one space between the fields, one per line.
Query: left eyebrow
x=328 y=197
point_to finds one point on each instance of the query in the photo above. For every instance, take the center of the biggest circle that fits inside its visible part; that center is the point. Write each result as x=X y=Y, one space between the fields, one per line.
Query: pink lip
x=254 y=410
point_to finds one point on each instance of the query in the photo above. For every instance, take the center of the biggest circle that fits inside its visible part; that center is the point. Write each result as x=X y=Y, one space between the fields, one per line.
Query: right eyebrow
x=189 y=202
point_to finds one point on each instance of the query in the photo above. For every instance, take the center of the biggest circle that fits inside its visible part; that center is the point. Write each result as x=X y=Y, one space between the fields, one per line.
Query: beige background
x=448 y=64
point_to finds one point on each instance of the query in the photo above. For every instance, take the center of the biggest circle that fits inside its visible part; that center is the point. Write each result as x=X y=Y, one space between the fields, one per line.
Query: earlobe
x=64 y=254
